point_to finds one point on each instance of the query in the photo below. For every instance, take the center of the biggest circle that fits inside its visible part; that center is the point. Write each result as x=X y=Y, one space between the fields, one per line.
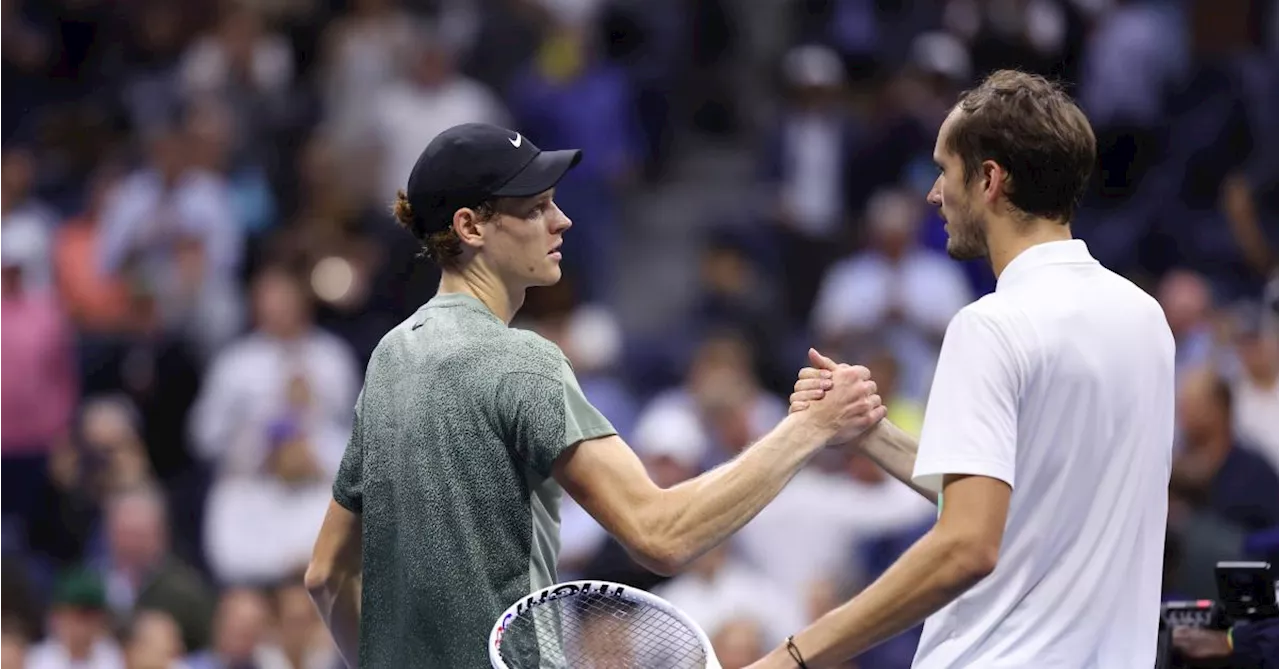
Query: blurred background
x=198 y=260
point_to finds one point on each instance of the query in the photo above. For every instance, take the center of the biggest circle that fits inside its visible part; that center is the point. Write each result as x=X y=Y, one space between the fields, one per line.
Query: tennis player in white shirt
x=1048 y=434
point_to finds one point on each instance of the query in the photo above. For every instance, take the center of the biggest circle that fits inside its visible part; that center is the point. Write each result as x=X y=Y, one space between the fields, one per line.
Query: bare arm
x=334 y=581
x=895 y=451
x=886 y=444
x=666 y=529
x=1242 y=218
x=960 y=551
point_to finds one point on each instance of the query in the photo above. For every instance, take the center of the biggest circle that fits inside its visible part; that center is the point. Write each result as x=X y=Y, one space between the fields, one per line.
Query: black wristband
x=795 y=653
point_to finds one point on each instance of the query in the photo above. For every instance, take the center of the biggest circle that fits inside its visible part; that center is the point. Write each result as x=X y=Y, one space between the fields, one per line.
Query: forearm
x=895 y=451
x=928 y=576
x=337 y=597
x=692 y=517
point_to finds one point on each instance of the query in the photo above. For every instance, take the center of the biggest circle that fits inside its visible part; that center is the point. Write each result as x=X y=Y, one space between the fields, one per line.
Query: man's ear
x=468 y=225
x=995 y=181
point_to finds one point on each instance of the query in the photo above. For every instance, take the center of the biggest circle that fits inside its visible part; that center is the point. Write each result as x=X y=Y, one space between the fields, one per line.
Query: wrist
x=807 y=432
x=778 y=658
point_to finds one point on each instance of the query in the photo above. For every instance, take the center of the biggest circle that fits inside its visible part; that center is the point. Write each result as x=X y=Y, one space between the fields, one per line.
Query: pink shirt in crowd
x=37 y=374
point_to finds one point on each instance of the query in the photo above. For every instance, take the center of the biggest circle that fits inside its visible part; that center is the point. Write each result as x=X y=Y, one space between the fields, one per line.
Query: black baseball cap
x=473 y=162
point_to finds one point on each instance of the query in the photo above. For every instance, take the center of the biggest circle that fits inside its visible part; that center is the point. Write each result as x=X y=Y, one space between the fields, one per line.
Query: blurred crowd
x=198 y=260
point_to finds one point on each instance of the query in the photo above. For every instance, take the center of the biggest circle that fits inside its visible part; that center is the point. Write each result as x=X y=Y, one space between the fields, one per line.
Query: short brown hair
x=1035 y=131
x=443 y=245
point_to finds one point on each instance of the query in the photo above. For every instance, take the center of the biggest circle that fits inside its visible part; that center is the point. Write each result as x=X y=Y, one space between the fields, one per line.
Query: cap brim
x=542 y=173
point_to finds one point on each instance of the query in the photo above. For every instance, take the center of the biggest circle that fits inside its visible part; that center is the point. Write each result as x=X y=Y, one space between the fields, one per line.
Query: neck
x=1216 y=448
x=1263 y=379
x=289 y=333
x=504 y=302
x=1018 y=237
x=80 y=652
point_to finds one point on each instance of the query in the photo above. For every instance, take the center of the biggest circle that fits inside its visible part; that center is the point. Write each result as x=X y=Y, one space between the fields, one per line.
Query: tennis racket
x=597 y=625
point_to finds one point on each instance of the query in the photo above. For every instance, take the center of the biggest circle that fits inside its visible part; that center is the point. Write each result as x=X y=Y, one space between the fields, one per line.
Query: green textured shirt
x=449 y=465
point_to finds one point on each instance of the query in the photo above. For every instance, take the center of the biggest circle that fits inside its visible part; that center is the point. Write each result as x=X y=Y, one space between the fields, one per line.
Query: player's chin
x=550 y=275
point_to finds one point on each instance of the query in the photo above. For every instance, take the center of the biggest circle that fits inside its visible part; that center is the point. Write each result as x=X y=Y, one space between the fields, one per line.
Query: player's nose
x=561 y=220
x=935 y=193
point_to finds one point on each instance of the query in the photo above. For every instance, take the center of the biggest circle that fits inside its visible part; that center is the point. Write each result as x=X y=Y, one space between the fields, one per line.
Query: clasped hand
x=842 y=397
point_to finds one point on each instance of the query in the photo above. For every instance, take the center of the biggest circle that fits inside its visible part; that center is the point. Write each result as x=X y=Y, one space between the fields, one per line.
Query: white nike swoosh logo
x=516 y=142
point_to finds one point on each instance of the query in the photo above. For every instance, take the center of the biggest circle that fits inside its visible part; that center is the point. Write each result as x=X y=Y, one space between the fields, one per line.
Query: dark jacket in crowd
x=1255 y=644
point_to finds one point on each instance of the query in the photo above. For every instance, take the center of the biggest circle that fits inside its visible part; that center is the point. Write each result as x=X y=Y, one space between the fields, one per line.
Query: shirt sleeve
x=1254 y=643
x=546 y=415
x=348 y=487
x=971 y=421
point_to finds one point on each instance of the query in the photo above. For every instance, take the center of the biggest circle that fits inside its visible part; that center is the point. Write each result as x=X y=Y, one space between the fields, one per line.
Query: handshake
x=838 y=400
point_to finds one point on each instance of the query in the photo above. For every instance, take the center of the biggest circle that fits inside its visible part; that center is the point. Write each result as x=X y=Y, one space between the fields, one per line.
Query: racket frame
x=575 y=588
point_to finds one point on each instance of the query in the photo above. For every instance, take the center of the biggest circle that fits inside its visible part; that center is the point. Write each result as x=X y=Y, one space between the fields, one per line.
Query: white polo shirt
x=1060 y=383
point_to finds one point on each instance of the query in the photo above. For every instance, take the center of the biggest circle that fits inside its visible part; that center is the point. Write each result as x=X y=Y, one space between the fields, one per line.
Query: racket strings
x=595 y=631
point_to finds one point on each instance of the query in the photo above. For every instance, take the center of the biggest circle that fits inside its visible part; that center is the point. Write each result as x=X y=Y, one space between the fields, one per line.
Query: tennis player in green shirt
x=446 y=506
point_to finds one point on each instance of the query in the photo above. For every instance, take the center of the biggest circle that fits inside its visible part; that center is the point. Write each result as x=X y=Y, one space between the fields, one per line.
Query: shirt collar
x=463 y=300
x=1069 y=251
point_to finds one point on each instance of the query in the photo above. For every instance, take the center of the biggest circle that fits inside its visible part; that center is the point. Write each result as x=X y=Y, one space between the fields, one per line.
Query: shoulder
x=530 y=352
x=987 y=327
x=990 y=313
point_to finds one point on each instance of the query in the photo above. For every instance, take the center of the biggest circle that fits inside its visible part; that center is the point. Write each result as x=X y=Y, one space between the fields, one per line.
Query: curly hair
x=442 y=246
x=1034 y=130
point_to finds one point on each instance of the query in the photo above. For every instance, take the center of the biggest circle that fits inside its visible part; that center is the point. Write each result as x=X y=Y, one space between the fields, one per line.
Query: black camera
x=1247 y=590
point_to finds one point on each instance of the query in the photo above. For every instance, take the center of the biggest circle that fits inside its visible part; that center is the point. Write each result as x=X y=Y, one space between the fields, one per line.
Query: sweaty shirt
x=449 y=465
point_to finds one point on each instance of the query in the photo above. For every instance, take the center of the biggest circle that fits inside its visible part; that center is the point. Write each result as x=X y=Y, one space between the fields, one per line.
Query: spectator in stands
x=362 y=269
x=142 y=574
x=1247 y=645
x=247 y=67
x=807 y=164
x=99 y=306
x=739 y=642
x=210 y=125
x=723 y=396
x=1186 y=300
x=106 y=457
x=39 y=386
x=909 y=293
x=736 y=294
x=805 y=539
x=79 y=634
x=429 y=98
x=241 y=635
x=1213 y=470
x=149 y=56
x=905 y=412
x=273 y=417
x=152 y=640
x=28 y=51
x=1028 y=35
x=24 y=216
x=362 y=54
x=720 y=587
x=303 y=638
x=1255 y=390
x=1215 y=189
x=170 y=228
x=570 y=95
